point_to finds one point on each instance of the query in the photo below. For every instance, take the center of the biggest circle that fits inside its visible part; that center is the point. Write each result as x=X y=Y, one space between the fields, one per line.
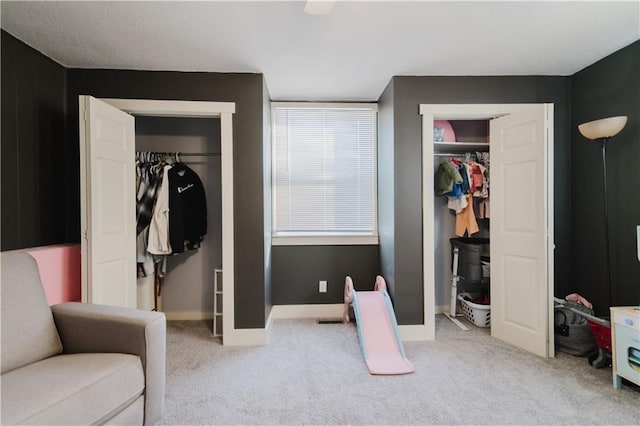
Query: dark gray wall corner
x=386 y=190
x=246 y=90
x=266 y=123
x=607 y=88
x=33 y=154
x=409 y=93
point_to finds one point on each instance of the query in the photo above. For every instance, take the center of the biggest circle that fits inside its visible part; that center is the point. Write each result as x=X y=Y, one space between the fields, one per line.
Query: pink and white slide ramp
x=377 y=329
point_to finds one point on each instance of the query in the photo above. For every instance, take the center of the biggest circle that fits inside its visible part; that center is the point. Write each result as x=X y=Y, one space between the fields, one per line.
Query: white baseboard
x=333 y=310
x=188 y=315
x=441 y=309
x=408 y=333
x=259 y=336
x=246 y=337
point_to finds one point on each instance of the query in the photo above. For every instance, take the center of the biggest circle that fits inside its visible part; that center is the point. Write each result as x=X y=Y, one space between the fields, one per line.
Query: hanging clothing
x=187 y=209
x=143 y=258
x=476 y=177
x=466 y=220
x=457 y=204
x=482 y=207
x=446 y=177
x=464 y=173
x=466 y=184
x=150 y=179
x=159 y=227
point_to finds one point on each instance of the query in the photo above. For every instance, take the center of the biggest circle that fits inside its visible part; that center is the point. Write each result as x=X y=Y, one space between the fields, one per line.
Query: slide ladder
x=377 y=329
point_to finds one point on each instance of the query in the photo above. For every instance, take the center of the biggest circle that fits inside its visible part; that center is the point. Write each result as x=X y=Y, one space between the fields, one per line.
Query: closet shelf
x=460 y=146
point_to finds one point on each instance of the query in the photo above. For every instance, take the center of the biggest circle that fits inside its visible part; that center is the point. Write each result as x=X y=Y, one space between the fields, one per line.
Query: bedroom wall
x=297 y=270
x=33 y=156
x=607 y=88
x=40 y=167
x=408 y=93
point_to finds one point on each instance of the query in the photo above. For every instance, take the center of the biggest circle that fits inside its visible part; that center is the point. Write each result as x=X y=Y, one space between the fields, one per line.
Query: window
x=324 y=173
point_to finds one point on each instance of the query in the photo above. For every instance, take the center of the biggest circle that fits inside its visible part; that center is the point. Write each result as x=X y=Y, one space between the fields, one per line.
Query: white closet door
x=521 y=263
x=107 y=177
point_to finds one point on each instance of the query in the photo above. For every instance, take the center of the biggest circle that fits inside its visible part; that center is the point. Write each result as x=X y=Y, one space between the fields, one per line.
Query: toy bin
x=478 y=315
x=471 y=253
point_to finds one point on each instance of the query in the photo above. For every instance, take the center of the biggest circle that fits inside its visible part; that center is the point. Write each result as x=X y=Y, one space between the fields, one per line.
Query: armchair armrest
x=86 y=328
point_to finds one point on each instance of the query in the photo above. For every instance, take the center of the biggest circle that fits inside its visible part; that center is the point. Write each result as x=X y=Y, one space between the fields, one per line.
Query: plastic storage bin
x=470 y=253
x=478 y=315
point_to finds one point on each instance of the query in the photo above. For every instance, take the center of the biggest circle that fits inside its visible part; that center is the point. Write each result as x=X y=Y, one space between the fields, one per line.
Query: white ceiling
x=349 y=55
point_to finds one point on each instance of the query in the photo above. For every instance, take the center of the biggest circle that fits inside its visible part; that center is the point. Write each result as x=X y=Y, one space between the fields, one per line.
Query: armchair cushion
x=65 y=389
x=87 y=328
x=28 y=331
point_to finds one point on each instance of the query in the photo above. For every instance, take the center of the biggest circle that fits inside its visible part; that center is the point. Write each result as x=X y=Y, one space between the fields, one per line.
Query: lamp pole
x=603 y=130
x=606 y=140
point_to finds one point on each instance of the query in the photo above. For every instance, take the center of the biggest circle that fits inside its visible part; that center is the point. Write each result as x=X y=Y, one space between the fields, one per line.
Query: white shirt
x=159 y=226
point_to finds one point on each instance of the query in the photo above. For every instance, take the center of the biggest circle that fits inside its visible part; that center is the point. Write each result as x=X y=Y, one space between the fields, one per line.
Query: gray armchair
x=76 y=363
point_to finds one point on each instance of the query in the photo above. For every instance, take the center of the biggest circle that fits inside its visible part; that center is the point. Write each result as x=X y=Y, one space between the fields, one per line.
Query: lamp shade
x=603 y=128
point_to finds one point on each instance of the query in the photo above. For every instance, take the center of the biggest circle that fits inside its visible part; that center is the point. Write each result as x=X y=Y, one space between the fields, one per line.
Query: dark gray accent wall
x=607 y=88
x=266 y=128
x=408 y=94
x=386 y=190
x=33 y=157
x=246 y=90
x=297 y=270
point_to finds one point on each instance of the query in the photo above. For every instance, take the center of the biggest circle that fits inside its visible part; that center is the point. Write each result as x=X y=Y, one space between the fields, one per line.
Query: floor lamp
x=603 y=130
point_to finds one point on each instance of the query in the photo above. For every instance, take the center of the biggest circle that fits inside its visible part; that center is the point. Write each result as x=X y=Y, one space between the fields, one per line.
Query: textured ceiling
x=349 y=55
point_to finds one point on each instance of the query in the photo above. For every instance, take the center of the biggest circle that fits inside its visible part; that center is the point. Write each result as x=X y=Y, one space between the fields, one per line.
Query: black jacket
x=187 y=209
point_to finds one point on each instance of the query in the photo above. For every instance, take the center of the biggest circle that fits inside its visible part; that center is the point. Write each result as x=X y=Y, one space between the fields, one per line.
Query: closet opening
x=499 y=227
x=186 y=289
x=461 y=219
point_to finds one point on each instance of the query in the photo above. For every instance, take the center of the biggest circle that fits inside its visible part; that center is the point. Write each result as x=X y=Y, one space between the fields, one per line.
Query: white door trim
x=225 y=111
x=430 y=112
x=163 y=108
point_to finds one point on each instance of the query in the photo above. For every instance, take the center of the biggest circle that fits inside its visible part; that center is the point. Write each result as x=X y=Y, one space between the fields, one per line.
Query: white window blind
x=324 y=171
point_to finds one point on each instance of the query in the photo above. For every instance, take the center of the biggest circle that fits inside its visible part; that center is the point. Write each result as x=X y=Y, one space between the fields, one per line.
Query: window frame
x=324 y=238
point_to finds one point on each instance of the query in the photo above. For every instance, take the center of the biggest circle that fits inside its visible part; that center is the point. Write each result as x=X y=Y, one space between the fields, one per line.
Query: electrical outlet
x=322 y=286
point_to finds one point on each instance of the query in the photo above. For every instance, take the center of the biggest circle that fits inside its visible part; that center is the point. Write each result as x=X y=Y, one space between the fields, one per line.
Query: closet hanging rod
x=185 y=154
x=453 y=154
x=195 y=154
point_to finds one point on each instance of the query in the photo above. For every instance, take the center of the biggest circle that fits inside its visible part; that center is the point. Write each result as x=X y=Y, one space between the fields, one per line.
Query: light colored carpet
x=313 y=373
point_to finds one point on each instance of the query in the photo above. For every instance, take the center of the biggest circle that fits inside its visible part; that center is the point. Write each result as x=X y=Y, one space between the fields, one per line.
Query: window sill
x=333 y=240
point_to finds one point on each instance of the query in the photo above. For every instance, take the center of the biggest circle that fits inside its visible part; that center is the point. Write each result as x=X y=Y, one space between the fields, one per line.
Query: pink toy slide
x=377 y=329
